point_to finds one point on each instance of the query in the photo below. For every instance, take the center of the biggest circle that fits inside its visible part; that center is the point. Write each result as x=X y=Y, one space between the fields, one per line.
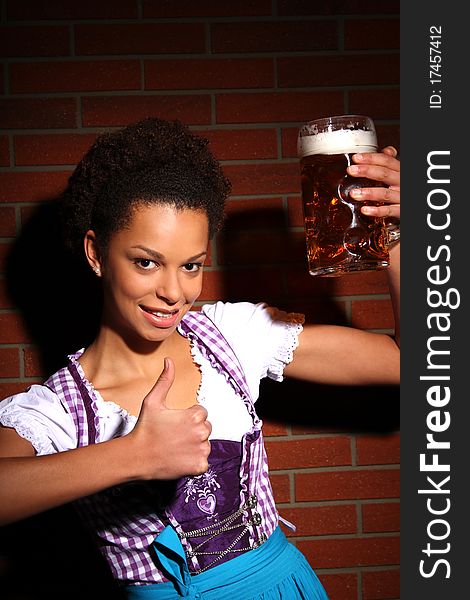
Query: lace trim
x=102 y=405
x=203 y=366
x=26 y=427
x=290 y=341
x=203 y=352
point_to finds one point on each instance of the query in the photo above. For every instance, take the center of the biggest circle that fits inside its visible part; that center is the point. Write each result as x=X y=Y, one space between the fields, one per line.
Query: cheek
x=194 y=290
x=127 y=286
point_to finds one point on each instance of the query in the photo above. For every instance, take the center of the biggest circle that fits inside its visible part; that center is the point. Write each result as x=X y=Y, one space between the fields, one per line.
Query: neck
x=113 y=355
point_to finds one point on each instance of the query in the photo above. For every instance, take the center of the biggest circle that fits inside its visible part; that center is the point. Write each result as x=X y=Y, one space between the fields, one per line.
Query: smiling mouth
x=160 y=314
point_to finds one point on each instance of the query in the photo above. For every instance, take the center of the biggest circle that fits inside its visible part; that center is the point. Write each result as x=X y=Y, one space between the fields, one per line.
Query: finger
x=391 y=210
x=203 y=463
x=199 y=413
x=390 y=150
x=376 y=172
x=381 y=166
x=390 y=195
x=205 y=431
x=385 y=159
x=158 y=393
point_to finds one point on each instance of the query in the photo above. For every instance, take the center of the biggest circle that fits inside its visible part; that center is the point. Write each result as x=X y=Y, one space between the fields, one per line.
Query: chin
x=159 y=335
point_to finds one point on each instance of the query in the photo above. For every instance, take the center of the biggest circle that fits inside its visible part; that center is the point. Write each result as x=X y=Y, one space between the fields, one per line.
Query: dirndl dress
x=231 y=548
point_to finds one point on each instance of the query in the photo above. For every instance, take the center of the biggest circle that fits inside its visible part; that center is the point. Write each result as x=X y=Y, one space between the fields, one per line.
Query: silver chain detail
x=222 y=526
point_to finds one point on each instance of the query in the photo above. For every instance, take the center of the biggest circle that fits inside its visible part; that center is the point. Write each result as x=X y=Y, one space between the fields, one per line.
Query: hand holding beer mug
x=340 y=237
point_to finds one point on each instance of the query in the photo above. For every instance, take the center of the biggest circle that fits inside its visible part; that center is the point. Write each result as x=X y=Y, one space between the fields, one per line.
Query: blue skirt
x=273 y=571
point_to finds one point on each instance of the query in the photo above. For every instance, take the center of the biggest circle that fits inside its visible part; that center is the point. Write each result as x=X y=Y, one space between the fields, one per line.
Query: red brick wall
x=245 y=74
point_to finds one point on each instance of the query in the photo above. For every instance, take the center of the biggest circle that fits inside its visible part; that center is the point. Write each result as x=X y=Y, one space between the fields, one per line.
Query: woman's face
x=153 y=271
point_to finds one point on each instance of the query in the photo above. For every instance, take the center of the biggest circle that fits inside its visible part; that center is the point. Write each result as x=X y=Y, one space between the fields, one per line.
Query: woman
x=172 y=476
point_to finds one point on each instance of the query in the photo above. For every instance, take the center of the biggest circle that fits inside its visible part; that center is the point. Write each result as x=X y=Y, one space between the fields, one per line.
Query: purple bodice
x=213 y=527
x=209 y=498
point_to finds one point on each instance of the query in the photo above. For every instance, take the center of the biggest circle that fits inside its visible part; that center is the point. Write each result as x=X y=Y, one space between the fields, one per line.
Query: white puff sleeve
x=38 y=416
x=263 y=338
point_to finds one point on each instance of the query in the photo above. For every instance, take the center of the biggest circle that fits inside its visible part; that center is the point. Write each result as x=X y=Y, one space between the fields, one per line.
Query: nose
x=168 y=286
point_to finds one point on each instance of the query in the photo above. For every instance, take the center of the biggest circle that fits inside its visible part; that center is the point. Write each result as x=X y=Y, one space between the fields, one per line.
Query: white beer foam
x=343 y=141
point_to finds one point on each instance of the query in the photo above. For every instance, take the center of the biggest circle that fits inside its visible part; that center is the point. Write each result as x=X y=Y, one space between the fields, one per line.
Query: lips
x=159 y=317
x=165 y=314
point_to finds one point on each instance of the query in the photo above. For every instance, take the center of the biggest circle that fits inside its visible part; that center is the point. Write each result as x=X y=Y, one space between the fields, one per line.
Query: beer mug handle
x=392 y=226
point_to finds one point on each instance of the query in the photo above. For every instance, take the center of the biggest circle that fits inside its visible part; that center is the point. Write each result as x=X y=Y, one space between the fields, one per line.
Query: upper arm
x=12 y=444
x=336 y=355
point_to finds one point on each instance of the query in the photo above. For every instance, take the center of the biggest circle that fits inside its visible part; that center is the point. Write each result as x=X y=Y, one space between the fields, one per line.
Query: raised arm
x=343 y=355
x=383 y=166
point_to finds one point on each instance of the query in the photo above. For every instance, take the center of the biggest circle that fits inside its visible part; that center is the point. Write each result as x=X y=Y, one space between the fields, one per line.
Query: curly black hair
x=153 y=161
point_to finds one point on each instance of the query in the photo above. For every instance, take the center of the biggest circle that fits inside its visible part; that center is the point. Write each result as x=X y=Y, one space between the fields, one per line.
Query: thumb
x=390 y=150
x=158 y=393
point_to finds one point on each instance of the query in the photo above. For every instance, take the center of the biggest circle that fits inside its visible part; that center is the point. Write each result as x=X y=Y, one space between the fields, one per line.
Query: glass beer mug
x=340 y=239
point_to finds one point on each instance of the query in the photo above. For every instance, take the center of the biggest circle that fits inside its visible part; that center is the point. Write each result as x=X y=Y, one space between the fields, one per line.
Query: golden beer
x=340 y=239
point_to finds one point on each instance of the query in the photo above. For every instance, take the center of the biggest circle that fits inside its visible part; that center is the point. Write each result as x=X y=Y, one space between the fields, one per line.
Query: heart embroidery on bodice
x=207 y=504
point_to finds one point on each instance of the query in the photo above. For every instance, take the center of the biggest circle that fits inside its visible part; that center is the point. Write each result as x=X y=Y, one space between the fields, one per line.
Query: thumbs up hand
x=171 y=443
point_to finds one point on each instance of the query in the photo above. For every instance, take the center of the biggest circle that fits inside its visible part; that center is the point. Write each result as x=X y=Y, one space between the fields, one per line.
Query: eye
x=145 y=263
x=192 y=267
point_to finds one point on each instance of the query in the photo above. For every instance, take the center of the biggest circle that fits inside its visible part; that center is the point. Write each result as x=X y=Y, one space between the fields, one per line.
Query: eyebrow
x=158 y=256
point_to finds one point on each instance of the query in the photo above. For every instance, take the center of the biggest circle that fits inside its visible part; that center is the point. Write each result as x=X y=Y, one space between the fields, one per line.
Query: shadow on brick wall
x=57 y=294
x=352 y=409
x=262 y=260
